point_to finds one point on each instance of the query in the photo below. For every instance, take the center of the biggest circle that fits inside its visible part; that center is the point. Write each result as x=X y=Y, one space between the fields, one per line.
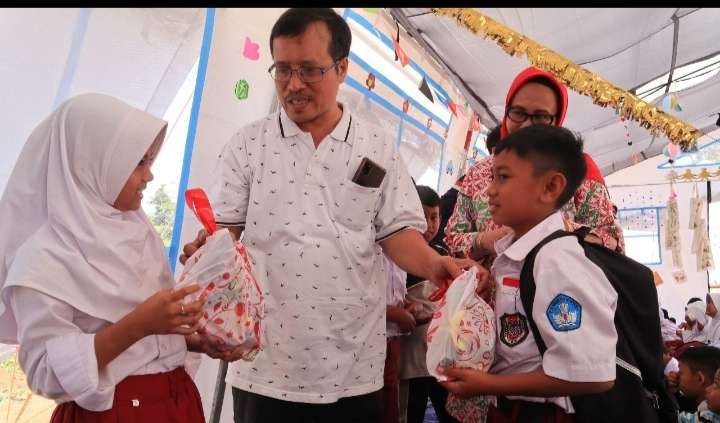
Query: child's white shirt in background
x=395 y=291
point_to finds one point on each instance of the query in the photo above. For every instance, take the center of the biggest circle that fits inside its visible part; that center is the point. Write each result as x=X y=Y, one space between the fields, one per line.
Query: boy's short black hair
x=492 y=139
x=693 y=300
x=296 y=20
x=428 y=196
x=550 y=148
x=705 y=359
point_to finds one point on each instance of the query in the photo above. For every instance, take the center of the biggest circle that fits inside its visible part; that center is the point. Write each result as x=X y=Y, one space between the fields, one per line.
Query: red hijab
x=529 y=75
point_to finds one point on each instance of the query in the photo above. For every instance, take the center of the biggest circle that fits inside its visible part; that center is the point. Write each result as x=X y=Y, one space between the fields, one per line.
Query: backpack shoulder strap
x=527 y=283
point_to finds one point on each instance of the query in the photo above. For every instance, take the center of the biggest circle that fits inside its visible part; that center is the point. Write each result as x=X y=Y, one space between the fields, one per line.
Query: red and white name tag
x=512 y=283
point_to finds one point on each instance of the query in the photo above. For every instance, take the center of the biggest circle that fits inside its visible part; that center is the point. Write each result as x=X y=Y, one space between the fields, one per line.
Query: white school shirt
x=312 y=235
x=574 y=310
x=395 y=292
x=57 y=352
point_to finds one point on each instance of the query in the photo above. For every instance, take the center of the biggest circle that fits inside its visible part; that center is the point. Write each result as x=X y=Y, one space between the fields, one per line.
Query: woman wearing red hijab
x=535 y=97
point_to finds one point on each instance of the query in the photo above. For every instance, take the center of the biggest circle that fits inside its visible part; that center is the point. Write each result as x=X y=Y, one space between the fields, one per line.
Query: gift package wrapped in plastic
x=234 y=306
x=462 y=334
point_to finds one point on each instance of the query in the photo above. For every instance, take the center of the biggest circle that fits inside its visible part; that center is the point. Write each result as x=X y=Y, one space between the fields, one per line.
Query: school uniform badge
x=564 y=313
x=513 y=329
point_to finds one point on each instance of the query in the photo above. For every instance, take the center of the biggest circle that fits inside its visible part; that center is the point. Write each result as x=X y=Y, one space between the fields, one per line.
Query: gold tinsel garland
x=579 y=79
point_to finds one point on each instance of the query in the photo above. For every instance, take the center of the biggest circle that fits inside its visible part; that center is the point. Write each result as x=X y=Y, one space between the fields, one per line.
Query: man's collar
x=288 y=128
x=518 y=250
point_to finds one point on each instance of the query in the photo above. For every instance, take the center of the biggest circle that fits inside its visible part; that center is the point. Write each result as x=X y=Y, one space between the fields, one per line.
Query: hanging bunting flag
x=399 y=52
x=453 y=107
x=429 y=123
x=425 y=89
x=475 y=122
x=370 y=81
x=670 y=103
x=406 y=106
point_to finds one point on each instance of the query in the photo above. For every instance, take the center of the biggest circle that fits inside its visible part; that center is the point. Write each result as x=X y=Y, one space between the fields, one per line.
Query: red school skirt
x=160 y=397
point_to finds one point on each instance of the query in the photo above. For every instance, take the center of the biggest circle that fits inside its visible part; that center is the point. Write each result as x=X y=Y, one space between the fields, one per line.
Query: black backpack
x=640 y=391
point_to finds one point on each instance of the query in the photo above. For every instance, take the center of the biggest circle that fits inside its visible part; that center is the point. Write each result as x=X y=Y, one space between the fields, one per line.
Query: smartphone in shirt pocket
x=369 y=174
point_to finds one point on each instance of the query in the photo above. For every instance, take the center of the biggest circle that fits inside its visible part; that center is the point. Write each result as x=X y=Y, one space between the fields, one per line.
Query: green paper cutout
x=242 y=89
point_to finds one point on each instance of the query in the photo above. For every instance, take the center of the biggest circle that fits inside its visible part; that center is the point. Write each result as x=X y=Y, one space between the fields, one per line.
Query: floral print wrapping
x=590 y=206
x=234 y=306
x=462 y=334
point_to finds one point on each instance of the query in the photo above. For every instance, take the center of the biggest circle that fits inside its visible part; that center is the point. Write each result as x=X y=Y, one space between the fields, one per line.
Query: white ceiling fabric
x=626 y=46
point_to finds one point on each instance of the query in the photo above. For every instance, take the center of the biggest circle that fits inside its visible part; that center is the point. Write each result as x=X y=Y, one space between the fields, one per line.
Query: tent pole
x=676 y=33
x=190 y=141
x=707 y=221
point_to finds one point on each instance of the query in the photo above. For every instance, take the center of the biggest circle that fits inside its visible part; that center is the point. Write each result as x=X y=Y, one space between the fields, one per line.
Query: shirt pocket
x=355 y=207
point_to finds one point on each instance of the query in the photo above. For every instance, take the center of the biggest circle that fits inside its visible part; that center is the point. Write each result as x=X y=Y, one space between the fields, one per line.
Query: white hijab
x=713 y=330
x=60 y=233
x=696 y=312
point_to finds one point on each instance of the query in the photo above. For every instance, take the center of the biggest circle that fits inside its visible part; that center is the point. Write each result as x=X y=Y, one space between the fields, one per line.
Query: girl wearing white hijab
x=696 y=321
x=713 y=328
x=85 y=284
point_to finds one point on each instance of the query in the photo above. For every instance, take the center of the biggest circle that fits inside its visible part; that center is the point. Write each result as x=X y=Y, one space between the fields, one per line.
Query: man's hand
x=190 y=248
x=444 y=269
x=196 y=343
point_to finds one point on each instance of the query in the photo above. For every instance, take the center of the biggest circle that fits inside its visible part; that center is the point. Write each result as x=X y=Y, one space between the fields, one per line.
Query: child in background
x=416 y=384
x=85 y=281
x=696 y=372
x=695 y=320
x=672 y=365
x=536 y=170
x=709 y=410
x=400 y=322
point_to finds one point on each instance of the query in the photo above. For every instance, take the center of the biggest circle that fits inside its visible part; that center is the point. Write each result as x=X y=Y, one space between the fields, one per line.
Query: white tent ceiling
x=628 y=47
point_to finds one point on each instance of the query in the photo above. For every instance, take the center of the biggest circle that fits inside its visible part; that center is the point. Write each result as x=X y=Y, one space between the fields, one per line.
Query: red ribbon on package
x=198 y=202
x=440 y=292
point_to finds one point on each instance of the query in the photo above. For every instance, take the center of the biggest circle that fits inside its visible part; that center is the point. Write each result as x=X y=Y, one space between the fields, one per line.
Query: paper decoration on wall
x=242 y=89
x=370 y=81
x=429 y=123
x=705 y=257
x=701 y=239
x=371 y=9
x=679 y=276
x=672 y=230
x=696 y=208
x=425 y=89
x=406 y=106
x=450 y=168
x=251 y=50
x=657 y=278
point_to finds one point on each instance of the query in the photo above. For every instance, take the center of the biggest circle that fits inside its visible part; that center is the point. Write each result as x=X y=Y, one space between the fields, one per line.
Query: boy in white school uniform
x=536 y=170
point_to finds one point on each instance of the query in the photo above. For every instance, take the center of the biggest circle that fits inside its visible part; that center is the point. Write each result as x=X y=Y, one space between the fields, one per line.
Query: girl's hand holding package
x=163 y=313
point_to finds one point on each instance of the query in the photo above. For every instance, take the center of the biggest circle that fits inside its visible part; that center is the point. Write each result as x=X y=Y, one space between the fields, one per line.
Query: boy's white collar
x=518 y=250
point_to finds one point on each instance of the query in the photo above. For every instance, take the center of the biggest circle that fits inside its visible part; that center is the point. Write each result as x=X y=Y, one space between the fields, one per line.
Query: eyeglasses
x=519 y=115
x=307 y=74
